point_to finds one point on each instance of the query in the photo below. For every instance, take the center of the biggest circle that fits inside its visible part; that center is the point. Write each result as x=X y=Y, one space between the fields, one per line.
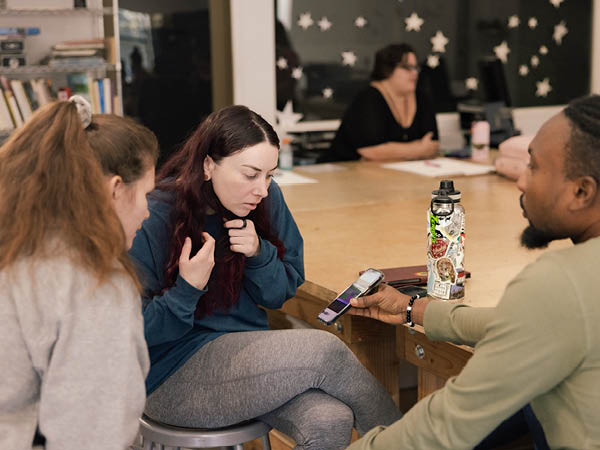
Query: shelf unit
x=55 y=12
x=99 y=20
x=43 y=69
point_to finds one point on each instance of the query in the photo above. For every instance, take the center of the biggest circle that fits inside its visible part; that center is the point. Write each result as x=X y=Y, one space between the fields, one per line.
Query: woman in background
x=219 y=248
x=390 y=119
x=72 y=347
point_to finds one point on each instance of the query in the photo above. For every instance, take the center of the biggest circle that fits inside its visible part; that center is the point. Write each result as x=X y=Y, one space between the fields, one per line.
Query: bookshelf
x=97 y=22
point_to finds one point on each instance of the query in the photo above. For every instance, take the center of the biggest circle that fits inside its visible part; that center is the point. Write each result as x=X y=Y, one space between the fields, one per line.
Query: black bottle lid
x=447 y=188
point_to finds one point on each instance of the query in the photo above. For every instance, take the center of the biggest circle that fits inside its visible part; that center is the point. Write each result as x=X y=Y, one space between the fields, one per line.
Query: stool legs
x=266 y=443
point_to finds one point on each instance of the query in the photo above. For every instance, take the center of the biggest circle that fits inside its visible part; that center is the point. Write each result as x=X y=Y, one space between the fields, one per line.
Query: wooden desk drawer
x=440 y=358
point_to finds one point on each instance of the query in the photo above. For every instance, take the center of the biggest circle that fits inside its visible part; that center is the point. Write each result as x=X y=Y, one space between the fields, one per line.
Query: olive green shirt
x=540 y=345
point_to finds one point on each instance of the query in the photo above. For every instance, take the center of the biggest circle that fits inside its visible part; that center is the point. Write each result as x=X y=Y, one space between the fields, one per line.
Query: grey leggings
x=305 y=383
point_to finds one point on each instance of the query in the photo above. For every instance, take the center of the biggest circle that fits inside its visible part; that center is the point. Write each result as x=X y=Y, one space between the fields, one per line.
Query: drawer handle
x=339 y=327
x=419 y=351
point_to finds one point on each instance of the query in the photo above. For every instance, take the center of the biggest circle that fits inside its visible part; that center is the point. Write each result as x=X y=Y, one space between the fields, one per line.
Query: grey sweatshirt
x=73 y=357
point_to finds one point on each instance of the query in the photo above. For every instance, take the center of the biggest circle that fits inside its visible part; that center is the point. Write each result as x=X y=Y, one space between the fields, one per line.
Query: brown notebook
x=407 y=275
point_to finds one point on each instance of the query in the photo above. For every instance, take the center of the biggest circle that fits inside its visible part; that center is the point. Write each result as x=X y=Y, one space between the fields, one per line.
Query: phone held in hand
x=365 y=284
x=411 y=290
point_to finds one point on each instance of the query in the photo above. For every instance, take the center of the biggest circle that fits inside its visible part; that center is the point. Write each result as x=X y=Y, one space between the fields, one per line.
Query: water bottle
x=480 y=141
x=446 y=243
x=286 y=155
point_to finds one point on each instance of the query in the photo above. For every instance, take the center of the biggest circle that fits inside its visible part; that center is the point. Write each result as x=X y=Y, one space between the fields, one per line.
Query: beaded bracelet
x=411 y=302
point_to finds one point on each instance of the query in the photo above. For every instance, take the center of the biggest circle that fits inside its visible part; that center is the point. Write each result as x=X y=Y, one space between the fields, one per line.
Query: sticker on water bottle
x=445 y=256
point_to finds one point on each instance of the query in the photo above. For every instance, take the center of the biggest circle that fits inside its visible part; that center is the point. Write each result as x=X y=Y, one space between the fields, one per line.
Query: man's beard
x=533 y=238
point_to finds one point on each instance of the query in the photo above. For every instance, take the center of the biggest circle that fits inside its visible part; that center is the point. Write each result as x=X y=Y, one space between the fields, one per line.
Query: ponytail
x=52 y=187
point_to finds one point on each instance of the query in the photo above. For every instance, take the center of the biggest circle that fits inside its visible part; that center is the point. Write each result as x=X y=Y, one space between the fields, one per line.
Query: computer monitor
x=493 y=81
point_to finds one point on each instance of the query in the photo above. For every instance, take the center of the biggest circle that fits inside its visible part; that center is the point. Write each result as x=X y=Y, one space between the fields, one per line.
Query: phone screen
x=370 y=276
x=344 y=298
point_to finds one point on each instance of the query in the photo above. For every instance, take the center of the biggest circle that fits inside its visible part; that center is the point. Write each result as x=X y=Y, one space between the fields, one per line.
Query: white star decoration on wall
x=287 y=117
x=433 y=61
x=471 y=83
x=502 y=51
x=523 y=70
x=532 y=22
x=297 y=73
x=535 y=61
x=305 y=21
x=560 y=31
x=348 y=58
x=360 y=22
x=324 y=24
x=282 y=63
x=413 y=22
x=439 y=42
x=543 y=87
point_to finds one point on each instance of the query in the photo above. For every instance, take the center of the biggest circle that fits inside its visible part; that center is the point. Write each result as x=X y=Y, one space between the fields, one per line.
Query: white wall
x=253 y=55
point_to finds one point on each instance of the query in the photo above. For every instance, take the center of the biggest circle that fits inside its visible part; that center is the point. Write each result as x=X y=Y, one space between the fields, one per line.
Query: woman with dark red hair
x=219 y=246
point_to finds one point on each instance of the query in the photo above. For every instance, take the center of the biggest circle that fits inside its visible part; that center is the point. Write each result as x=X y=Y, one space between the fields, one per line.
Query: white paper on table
x=286 y=177
x=320 y=168
x=441 y=167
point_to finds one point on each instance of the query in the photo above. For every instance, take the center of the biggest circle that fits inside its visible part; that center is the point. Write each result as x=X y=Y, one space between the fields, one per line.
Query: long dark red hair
x=221 y=134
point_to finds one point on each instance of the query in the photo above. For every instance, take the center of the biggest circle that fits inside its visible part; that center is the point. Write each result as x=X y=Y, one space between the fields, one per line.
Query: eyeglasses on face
x=409 y=67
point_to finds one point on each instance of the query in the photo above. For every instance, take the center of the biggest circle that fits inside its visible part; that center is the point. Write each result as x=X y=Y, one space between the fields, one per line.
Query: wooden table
x=367 y=216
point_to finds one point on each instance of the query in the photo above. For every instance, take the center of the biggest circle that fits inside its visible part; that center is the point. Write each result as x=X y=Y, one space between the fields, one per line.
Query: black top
x=369 y=121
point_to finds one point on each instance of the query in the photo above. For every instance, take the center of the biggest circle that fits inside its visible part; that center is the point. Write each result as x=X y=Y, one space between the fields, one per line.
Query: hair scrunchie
x=84 y=109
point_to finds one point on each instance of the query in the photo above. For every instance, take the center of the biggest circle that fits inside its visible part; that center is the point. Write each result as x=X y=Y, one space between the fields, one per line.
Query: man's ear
x=209 y=166
x=586 y=192
x=115 y=186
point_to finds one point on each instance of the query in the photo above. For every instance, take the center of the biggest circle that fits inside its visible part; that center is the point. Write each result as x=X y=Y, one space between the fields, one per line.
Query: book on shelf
x=43 y=91
x=77 y=52
x=6 y=120
x=17 y=31
x=31 y=95
x=79 y=84
x=96 y=97
x=24 y=105
x=82 y=44
x=13 y=107
x=11 y=101
x=98 y=91
x=108 y=96
x=65 y=63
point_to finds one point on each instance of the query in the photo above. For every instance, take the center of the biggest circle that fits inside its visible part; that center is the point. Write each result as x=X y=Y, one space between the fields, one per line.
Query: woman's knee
x=315 y=420
x=330 y=427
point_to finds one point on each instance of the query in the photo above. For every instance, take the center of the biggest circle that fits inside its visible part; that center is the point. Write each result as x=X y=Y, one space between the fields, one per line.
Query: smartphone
x=412 y=290
x=366 y=283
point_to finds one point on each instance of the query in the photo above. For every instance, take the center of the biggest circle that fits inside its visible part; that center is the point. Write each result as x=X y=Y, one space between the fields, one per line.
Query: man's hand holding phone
x=366 y=283
x=387 y=304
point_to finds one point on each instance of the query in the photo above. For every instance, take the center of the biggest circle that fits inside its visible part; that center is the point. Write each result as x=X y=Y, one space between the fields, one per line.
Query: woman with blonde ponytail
x=74 y=359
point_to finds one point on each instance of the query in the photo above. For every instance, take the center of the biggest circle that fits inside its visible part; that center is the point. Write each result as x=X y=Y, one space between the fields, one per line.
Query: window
x=325 y=50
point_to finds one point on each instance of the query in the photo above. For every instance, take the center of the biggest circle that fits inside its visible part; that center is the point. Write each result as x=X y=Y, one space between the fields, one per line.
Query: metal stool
x=160 y=436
